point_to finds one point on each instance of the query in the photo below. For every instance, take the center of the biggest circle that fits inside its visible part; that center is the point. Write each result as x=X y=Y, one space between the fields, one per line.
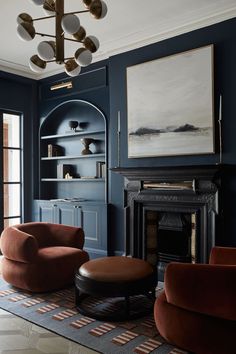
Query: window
x=12 y=171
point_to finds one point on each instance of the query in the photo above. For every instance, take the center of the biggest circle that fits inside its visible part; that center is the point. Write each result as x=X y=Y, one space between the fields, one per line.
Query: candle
x=220 y=109
x=118 y=122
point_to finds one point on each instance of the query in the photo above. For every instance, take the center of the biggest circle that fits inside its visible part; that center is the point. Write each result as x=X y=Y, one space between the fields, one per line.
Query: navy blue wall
x=18 y=94
x=223 y=36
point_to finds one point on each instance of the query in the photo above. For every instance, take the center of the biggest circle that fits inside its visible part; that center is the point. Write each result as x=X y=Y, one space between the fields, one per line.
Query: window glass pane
x=11 y=200
x=11 y=165
x=11 y=130
x=10 y=222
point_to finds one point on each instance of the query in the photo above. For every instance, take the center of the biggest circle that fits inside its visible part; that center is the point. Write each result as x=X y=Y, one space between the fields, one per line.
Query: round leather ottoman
x=123 y=278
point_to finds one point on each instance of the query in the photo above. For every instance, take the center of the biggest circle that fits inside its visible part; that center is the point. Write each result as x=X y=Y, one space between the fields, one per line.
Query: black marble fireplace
x=171 y=213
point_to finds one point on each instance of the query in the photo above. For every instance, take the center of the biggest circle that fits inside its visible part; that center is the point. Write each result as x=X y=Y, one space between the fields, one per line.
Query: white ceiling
x=129 y=24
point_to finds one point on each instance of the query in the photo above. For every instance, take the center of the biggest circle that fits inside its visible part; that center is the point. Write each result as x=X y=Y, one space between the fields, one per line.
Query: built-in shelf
x=73 y=179
x=69 y=135
x=72 y=157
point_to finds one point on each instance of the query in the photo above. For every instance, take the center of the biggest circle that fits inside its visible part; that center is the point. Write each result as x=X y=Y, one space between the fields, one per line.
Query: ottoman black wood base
x=129 y=283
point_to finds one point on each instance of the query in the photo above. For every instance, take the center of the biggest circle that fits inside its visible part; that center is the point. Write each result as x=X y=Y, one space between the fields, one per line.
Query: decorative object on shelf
x=178 y=115
x=68 y=176
x=100 y=169
x=54 y=150
x=86 y=142
x=69 y=23
x=73 y=124
x=64 y=171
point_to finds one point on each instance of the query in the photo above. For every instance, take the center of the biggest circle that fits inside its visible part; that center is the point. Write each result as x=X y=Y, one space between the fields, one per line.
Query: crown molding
x=140 y=39
x=14 y=68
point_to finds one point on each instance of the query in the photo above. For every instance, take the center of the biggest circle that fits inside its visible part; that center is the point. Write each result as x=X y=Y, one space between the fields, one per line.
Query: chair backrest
x=223 y=255
x=49 y=235
x=41 y=231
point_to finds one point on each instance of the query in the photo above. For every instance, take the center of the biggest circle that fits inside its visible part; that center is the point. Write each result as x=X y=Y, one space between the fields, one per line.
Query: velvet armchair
x=197 y=309
x=41 y=256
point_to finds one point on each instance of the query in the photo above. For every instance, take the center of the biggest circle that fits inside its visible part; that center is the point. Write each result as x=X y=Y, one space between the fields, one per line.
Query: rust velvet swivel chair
x=41 y=256
x=197 y=309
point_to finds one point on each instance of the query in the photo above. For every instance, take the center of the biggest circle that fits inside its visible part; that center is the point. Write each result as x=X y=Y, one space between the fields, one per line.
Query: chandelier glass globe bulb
x=36 y=64
x=46 y=50
x=83 y=57
x=80 y=34
x=87 y=3
x=24 y=17
x=70 y=23
x=91 y=43
x=37 y=2
x=72 y=68
x=98 y=9
x=49 y=7
x=26 y=31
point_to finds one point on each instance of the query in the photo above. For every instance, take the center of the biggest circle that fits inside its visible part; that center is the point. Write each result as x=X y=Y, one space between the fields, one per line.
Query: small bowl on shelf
x=73 y=124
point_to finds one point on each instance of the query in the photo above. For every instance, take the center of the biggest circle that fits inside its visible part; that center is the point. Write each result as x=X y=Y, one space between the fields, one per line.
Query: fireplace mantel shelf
x=172 y=173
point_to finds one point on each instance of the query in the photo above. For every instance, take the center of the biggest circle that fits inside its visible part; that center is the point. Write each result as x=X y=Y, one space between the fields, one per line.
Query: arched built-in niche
x=61 y=147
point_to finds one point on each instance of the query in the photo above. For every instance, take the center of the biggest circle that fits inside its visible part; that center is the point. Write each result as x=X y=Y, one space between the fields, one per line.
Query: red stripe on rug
x=84 y=321
x=64 y=314
x=124 y=338
x=147 y=346
x=102 y=329
x=47 y=308
x=32 y=302
x=7 y=292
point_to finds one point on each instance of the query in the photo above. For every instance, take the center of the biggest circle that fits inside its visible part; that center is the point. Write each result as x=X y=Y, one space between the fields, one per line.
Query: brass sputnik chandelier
x=65 y=24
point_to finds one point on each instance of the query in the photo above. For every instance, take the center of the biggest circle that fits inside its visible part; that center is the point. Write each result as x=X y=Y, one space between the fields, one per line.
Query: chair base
x=115 y=308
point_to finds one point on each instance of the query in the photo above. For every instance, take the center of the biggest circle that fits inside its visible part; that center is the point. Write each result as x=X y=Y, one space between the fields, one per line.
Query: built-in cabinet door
x=68 y=214
x=44 y=212
x=94 y=226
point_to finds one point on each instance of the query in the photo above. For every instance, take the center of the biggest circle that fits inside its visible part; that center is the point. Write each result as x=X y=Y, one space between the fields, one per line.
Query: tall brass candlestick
x=118 y=138
x=220 y=128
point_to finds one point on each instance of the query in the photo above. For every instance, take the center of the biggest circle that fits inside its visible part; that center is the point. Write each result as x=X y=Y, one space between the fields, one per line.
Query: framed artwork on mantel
x=170 y=105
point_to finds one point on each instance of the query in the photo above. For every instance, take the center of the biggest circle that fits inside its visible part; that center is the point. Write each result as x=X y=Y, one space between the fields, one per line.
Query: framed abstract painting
x=170 y=106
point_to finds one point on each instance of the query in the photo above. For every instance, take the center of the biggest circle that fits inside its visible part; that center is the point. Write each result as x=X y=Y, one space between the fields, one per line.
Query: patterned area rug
x=57 y=312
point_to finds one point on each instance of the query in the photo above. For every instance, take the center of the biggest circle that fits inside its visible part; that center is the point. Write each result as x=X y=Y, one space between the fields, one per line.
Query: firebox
x=170 y=237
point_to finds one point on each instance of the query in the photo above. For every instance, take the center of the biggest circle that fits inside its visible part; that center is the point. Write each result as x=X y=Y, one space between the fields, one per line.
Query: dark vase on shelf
x=73 y=124
x=86 y=142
